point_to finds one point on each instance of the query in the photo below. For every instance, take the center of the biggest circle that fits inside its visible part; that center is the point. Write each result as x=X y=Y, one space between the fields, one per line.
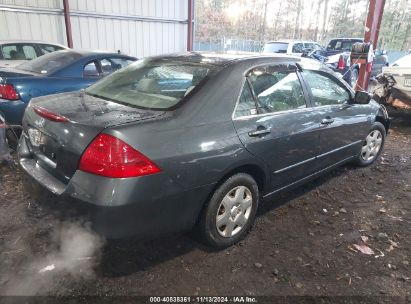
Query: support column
x=68 y=23
x=190 y=25
x=372 y=30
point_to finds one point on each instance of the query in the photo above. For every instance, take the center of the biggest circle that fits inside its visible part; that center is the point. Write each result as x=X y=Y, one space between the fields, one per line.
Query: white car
x=13 y=53
x=291 y=47
x=400 y=70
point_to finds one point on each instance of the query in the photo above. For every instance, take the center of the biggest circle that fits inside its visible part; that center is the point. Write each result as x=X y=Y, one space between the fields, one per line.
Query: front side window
x=29 y=52
x=122 y=62
x=325 y=90
x=298 y=48
x=147 y=84
x=107 y=67
x=277 y=90
x=110 y=65
x=48 y=48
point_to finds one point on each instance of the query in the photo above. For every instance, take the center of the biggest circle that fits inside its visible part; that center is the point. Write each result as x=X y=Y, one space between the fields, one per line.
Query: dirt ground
x=303 y=242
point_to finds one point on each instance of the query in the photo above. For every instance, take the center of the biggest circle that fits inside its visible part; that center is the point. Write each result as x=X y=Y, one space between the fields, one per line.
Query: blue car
x=57 y=72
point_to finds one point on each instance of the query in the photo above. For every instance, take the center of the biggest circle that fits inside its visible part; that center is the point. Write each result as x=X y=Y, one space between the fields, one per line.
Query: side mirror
x=362 y=97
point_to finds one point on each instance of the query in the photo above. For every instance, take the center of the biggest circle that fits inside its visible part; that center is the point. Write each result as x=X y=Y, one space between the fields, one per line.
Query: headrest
x=147 y=85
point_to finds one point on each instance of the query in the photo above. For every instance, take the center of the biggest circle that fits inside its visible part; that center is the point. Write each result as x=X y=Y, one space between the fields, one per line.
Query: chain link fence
x=225 y=45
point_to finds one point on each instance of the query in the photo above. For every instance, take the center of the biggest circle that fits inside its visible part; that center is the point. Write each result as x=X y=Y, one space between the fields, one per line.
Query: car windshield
x=403 y=61
x=50 y=63
x=154 y=85
x=275 y=47
x=342 y=44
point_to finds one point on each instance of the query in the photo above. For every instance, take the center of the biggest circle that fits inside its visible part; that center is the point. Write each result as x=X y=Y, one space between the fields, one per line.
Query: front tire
x=372 y=145
x=230 y=213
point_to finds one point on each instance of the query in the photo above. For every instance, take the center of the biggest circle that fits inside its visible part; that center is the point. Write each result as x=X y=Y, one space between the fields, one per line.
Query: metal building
x=136 y=27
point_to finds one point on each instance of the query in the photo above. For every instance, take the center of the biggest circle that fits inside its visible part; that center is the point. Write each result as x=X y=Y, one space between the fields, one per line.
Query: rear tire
x=230 y=213
x=372 y=145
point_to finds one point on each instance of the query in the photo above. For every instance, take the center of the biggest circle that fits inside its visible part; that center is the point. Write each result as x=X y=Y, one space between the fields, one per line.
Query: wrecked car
x=195 y=140
x=395 y=81
x=338 y=52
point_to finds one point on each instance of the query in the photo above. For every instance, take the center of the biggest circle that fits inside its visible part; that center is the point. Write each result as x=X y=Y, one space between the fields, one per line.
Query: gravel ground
x=305 y=242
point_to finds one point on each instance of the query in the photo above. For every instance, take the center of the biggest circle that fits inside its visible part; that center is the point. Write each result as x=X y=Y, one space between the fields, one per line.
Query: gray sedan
x=195 y=140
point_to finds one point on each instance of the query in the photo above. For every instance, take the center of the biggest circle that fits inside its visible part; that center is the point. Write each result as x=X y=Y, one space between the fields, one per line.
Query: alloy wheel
x=234 y=211
x=371 y=146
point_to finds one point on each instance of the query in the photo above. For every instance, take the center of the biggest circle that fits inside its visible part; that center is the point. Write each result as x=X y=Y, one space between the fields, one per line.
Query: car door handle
x=327 y=121
x=259 y=132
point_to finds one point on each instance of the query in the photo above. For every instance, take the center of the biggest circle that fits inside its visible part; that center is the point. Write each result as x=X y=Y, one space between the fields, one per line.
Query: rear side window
x=342 y=44
x=156 y=85
x=275 y=47
x=277 y=91
x=325 y=90
x=246 y=103
x=90 y=70
x=18 y=51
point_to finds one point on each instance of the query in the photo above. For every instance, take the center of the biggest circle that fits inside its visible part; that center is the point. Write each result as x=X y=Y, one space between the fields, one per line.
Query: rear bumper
x=13 y=110
x=145 y=207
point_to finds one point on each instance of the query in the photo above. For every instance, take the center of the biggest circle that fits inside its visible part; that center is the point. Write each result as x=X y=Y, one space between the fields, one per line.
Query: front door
x=343 y=125
x=274 y=123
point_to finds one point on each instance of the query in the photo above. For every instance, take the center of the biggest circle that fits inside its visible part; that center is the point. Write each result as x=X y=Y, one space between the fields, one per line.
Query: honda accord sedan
x=194 y=140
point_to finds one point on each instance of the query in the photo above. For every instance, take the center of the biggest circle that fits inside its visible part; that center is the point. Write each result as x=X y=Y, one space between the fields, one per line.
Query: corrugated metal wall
x=136 y=27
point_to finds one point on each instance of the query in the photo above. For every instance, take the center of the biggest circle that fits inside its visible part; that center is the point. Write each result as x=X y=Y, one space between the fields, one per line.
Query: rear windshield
x=50 y=63
x=275 y=47
x=342 y=44
x=151 y=85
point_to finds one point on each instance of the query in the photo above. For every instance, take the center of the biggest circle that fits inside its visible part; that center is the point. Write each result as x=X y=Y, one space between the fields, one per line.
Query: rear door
x=274 y=123
x=342 y=124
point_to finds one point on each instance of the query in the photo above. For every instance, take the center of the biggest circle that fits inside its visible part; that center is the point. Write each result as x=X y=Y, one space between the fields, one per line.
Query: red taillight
x=49 y=115
x=111 y=157
x=8 y=92
x=341 y=63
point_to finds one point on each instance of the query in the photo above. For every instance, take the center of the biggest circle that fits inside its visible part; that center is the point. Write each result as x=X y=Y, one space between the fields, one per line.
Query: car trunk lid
x=58 y=145
x=14 y=72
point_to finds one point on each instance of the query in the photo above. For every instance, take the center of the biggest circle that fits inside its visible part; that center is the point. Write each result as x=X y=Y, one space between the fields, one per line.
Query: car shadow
x=127 y=256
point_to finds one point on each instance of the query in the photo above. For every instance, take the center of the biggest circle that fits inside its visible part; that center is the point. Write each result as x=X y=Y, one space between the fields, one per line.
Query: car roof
x=86 y=53
x=31 y=41
x=224 y=59
x=346 y=39
x=290 y=41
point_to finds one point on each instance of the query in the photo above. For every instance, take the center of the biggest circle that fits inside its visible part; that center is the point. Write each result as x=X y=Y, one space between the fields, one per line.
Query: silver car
x=13 y=53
